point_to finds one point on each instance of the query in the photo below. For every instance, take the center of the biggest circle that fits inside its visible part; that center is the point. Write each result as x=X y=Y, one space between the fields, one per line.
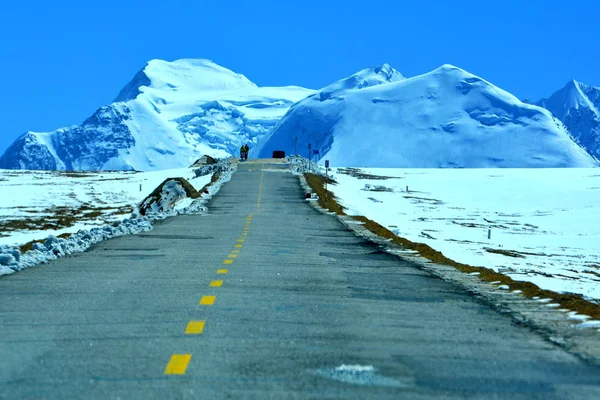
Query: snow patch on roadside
x=363 y=375
x=53 y=247
x=301 y=165
x=175 y=203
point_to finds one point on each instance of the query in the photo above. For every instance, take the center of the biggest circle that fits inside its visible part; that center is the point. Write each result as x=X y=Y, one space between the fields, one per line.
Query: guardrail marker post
x=326 y=179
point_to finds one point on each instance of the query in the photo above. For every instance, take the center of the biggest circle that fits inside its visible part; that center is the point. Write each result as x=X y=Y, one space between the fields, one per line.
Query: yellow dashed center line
x=207 y=300
x=178 y=364
x=194 y=328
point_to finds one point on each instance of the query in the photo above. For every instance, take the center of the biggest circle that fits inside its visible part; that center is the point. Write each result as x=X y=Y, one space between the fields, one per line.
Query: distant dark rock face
x=97 y=140
x=577 y=105
x=584 y=125
x=204 y=160
x=28 y=153
x=85 y=147
x=132 y=89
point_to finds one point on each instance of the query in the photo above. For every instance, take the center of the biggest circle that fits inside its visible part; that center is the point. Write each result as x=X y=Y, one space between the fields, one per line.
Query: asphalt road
x=263 y=297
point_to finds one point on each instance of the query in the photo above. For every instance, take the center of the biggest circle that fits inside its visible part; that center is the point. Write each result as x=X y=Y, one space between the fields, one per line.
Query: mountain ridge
x=444 y=118
x=577 y=106
x=166 y=116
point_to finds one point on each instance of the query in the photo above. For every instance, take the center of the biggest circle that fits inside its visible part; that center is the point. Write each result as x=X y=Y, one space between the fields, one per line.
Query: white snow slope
x=547 y=219
x=169 y=115
x=34 y=204
x=577 y=105
x=90 y=207
x=445 y=118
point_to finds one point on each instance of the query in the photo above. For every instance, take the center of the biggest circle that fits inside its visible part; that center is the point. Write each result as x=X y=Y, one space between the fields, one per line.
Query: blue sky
x=61 y=60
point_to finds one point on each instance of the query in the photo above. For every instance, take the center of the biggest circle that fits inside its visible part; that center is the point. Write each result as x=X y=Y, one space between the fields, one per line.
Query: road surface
x=263 y=297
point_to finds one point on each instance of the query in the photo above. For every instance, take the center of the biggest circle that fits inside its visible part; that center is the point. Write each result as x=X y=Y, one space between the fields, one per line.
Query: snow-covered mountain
x=577 y=105
x=170 y=114
x=445 y=118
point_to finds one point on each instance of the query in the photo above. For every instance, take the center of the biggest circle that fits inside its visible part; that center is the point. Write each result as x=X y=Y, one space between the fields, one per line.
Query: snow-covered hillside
x=577 y=105
x=445 y=118
x=170 y=114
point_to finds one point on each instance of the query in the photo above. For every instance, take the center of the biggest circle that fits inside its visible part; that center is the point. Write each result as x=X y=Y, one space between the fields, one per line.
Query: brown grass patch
x=574 y=302
x=76 y=174
x=508 y=253
x=61 y=217
x=29 y=246
x=213 y=179
x=357 y=173
x=327 y=199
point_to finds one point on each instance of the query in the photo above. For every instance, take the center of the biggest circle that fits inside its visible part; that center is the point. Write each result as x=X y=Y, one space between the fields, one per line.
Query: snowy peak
x=447 y=118
x=185 y=76
x=573 y=96
x=167 y=116
x=577 y=105
x=194 y=75
x=367 y=77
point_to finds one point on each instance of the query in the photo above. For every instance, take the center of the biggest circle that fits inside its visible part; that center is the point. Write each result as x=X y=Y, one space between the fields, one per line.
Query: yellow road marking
x=178 y=364
x=207 y=300
x=246 y=229
x=228 y=262
x=238 y=245
x=222 y=271
x=215 y=283
x=232 y=255
x=194 y=328
x=235 y=251
x=241 y=240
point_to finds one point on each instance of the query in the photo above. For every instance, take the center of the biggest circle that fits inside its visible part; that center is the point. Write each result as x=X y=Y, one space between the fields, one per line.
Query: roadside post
x=326 y=178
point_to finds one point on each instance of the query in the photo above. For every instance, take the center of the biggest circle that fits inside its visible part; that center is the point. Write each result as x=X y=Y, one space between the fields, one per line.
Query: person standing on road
x=242 y=152
x=246 y=150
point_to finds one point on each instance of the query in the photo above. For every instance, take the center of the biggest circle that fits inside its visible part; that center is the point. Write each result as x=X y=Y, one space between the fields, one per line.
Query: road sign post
x=326 y=178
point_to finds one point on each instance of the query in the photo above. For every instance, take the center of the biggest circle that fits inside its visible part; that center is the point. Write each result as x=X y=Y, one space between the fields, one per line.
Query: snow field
x=36 y=196
x=41 y=192
x=544 y=224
